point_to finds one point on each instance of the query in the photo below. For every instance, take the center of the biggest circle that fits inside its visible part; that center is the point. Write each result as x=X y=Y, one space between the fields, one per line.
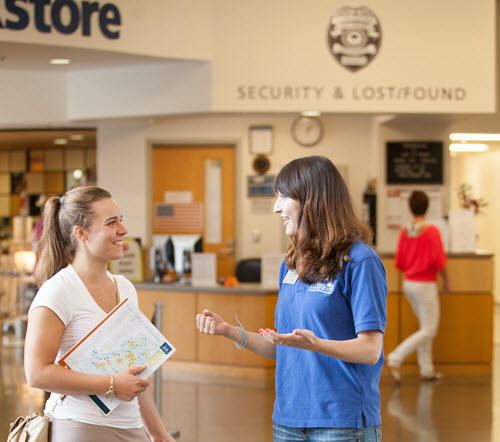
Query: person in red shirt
x=420 y=255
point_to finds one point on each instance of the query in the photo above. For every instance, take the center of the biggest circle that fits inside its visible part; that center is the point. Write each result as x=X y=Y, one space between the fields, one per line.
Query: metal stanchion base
x=174 y=433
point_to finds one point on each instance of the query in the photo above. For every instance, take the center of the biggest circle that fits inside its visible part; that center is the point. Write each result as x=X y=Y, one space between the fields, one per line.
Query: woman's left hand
x=305 y=339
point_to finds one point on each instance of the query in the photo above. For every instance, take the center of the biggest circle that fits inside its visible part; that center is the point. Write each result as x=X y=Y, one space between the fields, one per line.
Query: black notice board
x=414 y=162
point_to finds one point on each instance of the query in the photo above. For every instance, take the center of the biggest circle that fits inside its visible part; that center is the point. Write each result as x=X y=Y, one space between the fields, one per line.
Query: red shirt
x=421 y=257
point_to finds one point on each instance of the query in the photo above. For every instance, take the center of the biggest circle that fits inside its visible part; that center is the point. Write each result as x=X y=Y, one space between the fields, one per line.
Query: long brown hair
x=328 y=226
x=60 y=214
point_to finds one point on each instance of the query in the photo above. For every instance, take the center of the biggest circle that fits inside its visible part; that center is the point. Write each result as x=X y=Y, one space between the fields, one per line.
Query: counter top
x=242 y=289
x=477 y=254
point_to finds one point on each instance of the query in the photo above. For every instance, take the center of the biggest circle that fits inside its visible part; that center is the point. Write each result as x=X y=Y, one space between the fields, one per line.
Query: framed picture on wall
x=261 y=140
x=260 y=186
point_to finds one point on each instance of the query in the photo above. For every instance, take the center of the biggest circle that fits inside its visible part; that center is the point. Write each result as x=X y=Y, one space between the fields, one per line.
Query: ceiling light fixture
x=311 y=113
x=60 y=141
x=76 y=137
x=60 y=61
x=468 y=147
x=474 y=137
x=77 y=174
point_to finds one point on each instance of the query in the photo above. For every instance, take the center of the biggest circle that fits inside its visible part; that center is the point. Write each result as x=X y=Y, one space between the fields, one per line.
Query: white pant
x=423 y=297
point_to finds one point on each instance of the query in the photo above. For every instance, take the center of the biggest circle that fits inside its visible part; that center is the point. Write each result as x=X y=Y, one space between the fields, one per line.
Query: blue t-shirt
x=314 y=390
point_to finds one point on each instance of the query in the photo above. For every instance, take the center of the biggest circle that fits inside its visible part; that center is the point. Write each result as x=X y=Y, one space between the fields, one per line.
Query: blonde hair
x=60 y=214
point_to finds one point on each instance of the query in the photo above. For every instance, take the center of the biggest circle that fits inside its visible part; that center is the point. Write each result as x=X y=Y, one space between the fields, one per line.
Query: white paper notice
x=203 y=269
x=398 y=210
x=444 y=231
x=178 y=196
x=270 y=269
x=394 y=214
x=434 y=211
x=213 y=202
x=462 y=231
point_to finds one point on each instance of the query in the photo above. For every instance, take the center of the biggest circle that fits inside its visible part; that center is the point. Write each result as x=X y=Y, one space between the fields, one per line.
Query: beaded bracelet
x=244 y=341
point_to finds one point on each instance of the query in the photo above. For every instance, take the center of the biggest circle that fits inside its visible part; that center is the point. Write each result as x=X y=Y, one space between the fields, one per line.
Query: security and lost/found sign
x=414 y=162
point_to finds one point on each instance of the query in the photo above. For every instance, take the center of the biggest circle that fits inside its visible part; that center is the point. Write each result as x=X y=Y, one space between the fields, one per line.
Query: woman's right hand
x=127 y=386
x=211 y=323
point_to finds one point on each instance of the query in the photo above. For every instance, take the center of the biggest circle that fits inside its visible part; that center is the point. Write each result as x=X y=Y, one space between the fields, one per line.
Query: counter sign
x=65 y=16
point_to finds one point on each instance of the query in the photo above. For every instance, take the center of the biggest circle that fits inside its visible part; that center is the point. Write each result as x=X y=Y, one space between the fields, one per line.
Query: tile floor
x=457 y=409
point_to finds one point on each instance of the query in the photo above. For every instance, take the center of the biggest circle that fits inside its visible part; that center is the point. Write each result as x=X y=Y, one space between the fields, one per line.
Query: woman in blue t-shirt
x=330 y=316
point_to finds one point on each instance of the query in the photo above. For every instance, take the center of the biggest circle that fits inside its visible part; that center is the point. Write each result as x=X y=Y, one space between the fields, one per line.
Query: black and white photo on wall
x=260 y=186
x=414 y=162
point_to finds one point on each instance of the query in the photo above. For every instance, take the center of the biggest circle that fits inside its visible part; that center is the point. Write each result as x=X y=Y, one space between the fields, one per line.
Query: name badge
x=291 y=277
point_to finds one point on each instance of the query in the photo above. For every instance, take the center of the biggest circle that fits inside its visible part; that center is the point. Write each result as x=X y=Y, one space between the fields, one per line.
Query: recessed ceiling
x=37 y=57
x=21 y=56
x=33 y=139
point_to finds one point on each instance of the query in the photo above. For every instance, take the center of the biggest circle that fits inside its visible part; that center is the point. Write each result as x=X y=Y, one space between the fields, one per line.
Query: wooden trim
x=446 y=369
x=207 y=372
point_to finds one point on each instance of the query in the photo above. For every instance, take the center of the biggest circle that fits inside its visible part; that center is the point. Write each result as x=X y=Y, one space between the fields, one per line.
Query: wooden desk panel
x=464 y=342
x=394 y=276
x=179 y=324
x=468 y=275
x=465 y=334
x=253 y=312
x=391 y=335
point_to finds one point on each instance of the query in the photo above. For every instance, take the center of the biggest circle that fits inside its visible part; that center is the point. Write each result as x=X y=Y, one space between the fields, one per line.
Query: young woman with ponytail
x=82 y=233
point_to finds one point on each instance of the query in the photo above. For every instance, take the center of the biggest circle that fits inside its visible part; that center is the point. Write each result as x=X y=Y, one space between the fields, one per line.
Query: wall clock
x=307 y=131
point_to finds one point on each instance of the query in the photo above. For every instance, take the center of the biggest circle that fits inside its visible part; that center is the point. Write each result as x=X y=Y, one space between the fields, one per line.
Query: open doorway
x=37 y=162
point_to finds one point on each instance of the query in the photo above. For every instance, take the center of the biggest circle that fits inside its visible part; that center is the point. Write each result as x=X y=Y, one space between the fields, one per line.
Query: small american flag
x=179 y=217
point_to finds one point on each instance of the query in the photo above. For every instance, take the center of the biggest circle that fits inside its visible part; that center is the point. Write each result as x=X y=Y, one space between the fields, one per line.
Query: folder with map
x=125 y=338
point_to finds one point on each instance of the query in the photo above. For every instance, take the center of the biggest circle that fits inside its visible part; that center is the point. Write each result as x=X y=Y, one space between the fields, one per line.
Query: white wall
x=32 y=98
x=424 y=45
x=168 y=87
x=481 y=170
x=279 y=45
x=123 y=169
x=124 y=151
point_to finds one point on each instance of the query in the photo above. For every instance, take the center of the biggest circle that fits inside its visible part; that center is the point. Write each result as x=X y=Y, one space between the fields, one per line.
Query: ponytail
x=60 y=215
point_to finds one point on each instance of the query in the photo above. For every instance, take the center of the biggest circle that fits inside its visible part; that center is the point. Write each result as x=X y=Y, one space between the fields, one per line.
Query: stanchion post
x=158 y=315
x=157 y=321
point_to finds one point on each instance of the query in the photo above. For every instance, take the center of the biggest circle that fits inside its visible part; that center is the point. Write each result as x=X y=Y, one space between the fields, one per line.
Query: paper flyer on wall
x=125 y=338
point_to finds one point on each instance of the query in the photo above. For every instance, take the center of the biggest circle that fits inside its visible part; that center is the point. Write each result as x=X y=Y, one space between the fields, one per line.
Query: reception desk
x=464 y=344
x=212 y=355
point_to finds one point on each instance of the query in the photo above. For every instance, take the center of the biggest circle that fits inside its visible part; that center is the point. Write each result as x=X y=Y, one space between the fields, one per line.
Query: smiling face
x=105 y=234
x=289 y=210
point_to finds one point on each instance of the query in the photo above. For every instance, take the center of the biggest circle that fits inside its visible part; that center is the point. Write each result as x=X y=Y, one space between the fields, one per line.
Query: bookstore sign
x=64 y=16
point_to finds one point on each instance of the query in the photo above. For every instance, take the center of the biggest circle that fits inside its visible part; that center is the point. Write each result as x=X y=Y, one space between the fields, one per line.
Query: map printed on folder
x=125 y=338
